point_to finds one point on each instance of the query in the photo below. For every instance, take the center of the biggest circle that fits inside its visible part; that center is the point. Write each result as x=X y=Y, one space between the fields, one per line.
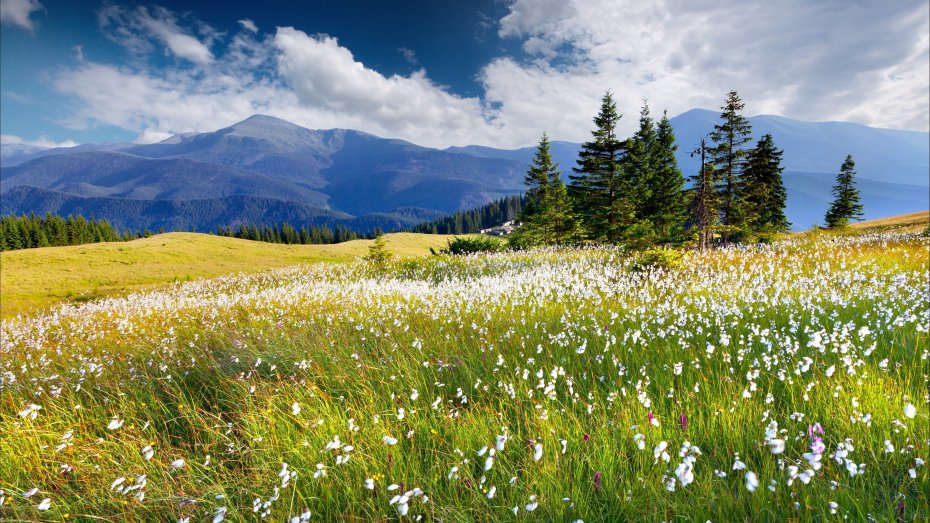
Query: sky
x=450 y=72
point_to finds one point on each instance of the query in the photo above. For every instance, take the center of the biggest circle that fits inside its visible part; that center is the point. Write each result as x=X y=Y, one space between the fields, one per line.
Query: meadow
x=775 y=382
x=32 y=280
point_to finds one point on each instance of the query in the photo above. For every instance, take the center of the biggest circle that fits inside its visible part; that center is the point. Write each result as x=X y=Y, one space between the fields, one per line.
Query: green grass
x=34 y=279
x=213 y=368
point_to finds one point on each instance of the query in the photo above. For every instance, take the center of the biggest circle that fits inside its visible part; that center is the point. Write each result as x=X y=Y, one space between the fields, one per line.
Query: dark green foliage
x=729 y=156
x=601 y=192
x=846 y=205
x=471 y=245
x=473 y=221
x=763 y=192
x=25 y=232
x=288 y=234
x=547 y=216
x=665 y=206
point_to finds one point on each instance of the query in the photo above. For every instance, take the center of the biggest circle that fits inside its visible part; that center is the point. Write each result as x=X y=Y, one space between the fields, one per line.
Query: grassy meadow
x=35 y=279
x=778 y=382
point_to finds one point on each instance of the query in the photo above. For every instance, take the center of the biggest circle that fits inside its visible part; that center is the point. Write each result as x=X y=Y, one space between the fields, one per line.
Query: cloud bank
x=830 y=60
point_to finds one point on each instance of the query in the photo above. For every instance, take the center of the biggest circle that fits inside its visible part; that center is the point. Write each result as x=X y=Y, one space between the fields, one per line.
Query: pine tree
x=764 y=194
x=537 y=215
x=704 y=204
x=639 y=163
x=846 y=205
x=731 y=135
x=599 y=192
x=666 y=207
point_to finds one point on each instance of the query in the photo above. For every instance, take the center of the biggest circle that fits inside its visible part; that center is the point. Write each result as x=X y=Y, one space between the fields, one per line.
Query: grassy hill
x=34 y=279
x=913 y=222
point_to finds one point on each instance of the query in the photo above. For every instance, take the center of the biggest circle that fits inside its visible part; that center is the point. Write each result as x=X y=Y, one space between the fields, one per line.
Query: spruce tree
x=764 y=195
x=730 y=136
x=535 y=229
x=703 y=201
x=599 y=192
x=639 y=163
x=846 y=205
x=665 y=207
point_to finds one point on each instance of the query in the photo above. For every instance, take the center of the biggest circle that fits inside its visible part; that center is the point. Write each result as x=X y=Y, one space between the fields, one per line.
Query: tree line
x=25 y=232
x=632 y=191
x=286 y=233
x=508 y=208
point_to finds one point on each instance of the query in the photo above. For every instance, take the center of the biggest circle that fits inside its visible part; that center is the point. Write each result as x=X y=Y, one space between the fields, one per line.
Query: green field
x=34 y=279
x=778 y=382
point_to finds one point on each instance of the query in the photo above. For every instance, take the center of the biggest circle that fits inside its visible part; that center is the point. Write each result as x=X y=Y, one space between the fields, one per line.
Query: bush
x=657 y=259
x=471 y=245
x=378 y=253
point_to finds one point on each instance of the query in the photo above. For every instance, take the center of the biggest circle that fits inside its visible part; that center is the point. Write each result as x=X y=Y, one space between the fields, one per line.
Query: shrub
x=471 y=245
x=658 y=259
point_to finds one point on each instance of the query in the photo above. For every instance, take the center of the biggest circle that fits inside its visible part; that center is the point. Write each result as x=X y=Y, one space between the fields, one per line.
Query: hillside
x=34 y=279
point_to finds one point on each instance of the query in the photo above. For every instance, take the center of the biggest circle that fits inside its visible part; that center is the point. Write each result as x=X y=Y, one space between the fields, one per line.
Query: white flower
x=31 y=411
x=777 y=446
x=752 y=482
x=369 y=484
x=537 y=453
x=115 y=423
x=833 y=505
x=295 y=408
x=910 y=411
x=531 y=506
x=491 y=492
x=178 y=463
x=148 y=452
x=31 y=492
x=44 y=504
x=388 y=440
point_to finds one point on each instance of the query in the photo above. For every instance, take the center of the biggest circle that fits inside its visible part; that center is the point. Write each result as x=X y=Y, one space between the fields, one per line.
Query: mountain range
x=267 y=170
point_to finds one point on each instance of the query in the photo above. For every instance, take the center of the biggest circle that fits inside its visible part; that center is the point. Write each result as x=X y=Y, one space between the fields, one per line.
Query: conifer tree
x=599 y=192
x=547 y=217
x=666 y=207
x=846 y=205
x=639 y=162
x=704 y=204
x=730 y=136
x=764 y=195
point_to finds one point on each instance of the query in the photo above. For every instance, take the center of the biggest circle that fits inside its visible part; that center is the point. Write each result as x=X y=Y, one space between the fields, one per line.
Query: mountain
x=300 y=175
x=200 y=214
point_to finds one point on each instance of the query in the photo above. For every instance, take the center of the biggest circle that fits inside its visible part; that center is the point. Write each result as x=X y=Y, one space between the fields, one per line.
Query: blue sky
x=442 y=73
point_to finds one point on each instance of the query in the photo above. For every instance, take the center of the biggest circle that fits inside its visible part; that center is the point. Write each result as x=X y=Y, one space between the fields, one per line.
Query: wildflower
x=32 y=411
x=597 y=482
x=178 y=464
x=295 y=408
x=910 y=411
x=388 y=440
x=537 y=452
x=776 y=445
x=115 y=423
x=44 y=504
x=369 y=484
x=531 y=506
x=752 y=482
x=684 y=422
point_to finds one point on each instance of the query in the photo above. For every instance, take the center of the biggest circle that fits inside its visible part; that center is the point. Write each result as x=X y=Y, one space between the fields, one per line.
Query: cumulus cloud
x=18 y=13
x=813 y=61
x=828 y=60
x=141 y=28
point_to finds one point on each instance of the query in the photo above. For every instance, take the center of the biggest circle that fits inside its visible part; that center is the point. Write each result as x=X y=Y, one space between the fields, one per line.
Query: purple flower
x=597 y=482
x=586 y=437
x=684 y=422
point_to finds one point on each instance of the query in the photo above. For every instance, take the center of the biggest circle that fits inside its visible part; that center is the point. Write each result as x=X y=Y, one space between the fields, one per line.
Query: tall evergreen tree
x=730 y=136
x=537 y=177
x=846 y=205
x=764 y=195
x=704 y=204
x=599 y=191
x=639 y=163
x=665 y=207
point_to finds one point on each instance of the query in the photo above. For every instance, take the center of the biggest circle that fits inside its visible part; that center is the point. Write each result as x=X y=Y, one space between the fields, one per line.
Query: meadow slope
x=778 y=382
x=34 y=279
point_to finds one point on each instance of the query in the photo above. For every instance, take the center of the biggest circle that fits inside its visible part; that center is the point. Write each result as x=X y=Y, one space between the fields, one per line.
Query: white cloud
x=42 y=141
x=248 y=25
x=828 y=60
x=811 y=61
x=18 y=13
x=137 y=29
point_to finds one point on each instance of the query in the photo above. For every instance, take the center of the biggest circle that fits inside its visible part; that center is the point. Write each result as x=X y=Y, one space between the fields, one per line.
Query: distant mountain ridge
x=265 y=168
